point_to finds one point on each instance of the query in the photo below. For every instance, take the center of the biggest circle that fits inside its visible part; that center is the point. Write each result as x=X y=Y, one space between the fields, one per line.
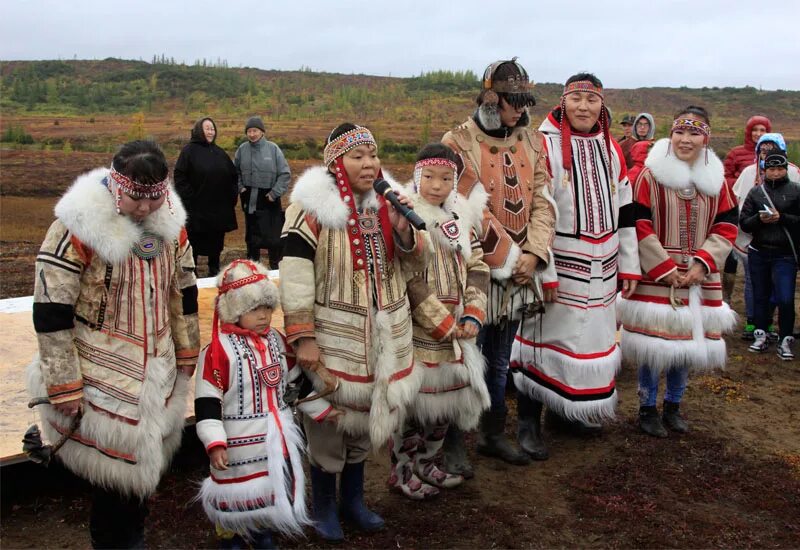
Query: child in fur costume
x=244 y=387
x=686 y=226
x=346 y=305
x=115 y=313
x=448 y=304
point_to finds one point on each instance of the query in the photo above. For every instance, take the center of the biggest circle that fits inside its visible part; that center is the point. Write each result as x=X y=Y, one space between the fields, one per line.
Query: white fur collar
x=467 y=211
x=316 y=192
x=671 y=172
x=87 y=210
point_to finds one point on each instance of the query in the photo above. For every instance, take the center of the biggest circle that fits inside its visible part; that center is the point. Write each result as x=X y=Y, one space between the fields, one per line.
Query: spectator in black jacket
x=771 y=213
x=206 y=181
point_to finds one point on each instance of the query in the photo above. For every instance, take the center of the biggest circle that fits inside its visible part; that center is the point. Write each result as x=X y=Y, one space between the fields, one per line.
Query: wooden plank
x=18 y=347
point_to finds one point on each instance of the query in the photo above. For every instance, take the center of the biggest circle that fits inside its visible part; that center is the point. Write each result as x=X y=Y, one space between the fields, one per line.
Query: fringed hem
x=661 y=355
x=133 y=457
x=231 y=505
x=587 y=411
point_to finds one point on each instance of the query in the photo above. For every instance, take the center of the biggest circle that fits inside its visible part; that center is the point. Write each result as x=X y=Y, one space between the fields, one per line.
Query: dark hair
x=142 y=161
x=504 y=71
x=584 y=76
x=697 y=111
x=341 y=129
x=440 y=151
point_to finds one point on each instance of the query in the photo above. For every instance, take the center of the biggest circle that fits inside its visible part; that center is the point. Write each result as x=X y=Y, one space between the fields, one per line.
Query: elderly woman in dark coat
x=206 y=181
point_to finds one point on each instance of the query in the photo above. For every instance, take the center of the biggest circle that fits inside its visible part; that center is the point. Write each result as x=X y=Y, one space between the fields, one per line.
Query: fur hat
x=244 y=285
x=254 y=122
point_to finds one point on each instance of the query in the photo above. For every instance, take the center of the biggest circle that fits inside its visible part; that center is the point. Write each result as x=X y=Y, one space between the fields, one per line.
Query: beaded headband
x=244 y=281
x=517 y=84
x=139 y=190
x=433 y=162
x=582 y=86
x=347 y=141
x=691 y=125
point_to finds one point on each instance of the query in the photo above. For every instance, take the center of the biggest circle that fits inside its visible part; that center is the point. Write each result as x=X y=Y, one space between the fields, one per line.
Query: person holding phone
x=771 y=213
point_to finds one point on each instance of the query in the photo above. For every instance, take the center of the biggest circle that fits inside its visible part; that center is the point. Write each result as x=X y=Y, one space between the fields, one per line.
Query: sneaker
x=785 y=348
x=760 y=341
x=772 y=334
x=747 y=333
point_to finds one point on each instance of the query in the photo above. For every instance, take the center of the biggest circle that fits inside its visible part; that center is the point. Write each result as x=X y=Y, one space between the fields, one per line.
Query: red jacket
x=638 y=155
x=742 y=156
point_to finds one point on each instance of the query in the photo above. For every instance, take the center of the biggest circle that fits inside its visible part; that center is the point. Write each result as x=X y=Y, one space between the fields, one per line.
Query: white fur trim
x=87 y=209
x=503 y=273
x=434 y=216
x=238 y=301
x=462 y=407
x=662 y=318
x=154 y=440
x=587 y=411
x=316 y=192
x=661 y=355
x=489 y=116
x=672 y=172
x=288 y=513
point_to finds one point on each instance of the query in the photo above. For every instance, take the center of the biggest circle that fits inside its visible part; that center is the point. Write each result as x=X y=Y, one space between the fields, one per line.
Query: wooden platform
x=18 y=347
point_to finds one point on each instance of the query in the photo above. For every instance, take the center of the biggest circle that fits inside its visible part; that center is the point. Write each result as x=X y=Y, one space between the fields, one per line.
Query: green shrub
x=16 y=134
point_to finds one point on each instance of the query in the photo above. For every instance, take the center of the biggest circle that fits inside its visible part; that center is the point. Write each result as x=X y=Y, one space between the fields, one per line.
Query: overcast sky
x=627 y=44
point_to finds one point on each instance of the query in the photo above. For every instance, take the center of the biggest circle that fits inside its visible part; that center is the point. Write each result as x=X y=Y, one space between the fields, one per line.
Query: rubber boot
x=672 y=418
x=650 y=423
x=351 y=493
x=529 y=433
x=323 y=493
x=574 y=427
x=264 y=541
x=728 y=284
x=493 y=442
x=455 y=459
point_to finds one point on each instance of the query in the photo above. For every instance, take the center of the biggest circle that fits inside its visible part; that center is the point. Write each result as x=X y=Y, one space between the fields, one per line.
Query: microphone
x=382 y=187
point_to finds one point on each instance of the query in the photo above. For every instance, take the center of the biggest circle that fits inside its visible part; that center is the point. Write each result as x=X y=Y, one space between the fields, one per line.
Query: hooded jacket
x=206 y=181
x=744 y=155
x=785 y=197
x=636 y=153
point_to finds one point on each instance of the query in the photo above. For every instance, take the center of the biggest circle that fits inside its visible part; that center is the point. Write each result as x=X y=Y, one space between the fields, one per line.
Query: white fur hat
x=244 y=285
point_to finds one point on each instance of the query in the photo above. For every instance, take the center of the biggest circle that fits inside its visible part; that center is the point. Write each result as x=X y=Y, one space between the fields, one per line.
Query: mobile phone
x=766 y=210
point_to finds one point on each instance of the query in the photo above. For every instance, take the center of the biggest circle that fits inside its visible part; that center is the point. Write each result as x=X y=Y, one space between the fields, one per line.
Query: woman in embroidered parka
x=504 y=157
x=115 y=312
x=448 y=302
x=344 y=298
x=686 y=225
x=247 y=378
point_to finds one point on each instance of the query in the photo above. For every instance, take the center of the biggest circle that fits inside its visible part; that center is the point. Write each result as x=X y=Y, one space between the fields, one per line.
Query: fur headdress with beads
x=244 y=285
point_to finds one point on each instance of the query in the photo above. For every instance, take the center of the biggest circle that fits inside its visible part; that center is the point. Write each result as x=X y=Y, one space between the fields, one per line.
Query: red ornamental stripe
x=224 y=481
x=567 y=389
x=596 y=355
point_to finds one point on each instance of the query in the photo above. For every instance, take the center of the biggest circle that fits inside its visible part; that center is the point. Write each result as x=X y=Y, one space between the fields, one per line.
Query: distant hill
x=408 y=111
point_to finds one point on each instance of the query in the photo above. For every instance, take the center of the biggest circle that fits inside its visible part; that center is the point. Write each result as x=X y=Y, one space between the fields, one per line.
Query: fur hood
x=316 y=192
x=671 y=172
x=467 y=212
x=87 y=210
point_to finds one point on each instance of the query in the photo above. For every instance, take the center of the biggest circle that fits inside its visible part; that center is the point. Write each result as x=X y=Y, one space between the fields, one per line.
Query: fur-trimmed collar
x=488 y=120
x=316 y=191
x=467 y=212
x=672 y=172
x=88 y=212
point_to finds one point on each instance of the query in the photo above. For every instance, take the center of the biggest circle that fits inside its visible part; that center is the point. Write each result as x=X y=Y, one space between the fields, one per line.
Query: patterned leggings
x=413 y=452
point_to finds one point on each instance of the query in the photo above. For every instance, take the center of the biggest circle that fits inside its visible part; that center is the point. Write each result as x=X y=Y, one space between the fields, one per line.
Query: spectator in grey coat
x=263 y=178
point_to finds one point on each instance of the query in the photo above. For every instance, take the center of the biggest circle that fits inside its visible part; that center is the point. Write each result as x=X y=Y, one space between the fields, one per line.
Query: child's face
x=257 y=319
x=776 y=173
x=436 y=183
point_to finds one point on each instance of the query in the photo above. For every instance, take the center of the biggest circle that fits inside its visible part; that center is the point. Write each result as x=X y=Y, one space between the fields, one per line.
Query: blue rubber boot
x=353 y=509
x=326 y=518
x=264 y=540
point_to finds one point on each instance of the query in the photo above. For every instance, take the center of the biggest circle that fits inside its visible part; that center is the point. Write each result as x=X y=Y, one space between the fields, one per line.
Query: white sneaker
x=785 y=348
x=760 y=344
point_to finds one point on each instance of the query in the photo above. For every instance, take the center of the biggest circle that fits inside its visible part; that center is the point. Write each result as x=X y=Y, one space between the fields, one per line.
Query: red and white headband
x=419 y=166
x=139 y=190
x=582 y=86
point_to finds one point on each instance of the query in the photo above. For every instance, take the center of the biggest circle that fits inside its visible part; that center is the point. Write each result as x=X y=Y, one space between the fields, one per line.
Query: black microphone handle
x=408 y=213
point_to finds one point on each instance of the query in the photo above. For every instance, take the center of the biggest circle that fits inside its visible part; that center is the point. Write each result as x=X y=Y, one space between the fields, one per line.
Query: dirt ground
x=733 y=481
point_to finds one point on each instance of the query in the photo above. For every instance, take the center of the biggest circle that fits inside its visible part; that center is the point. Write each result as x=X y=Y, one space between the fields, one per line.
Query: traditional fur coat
x=684 y=214
x=569 y=357
x=453 y=286
x=241 y=406
x=112 y=328
x=343 y=285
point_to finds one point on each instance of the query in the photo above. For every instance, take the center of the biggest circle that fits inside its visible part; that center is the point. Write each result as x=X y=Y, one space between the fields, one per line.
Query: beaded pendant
x=148 y=247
